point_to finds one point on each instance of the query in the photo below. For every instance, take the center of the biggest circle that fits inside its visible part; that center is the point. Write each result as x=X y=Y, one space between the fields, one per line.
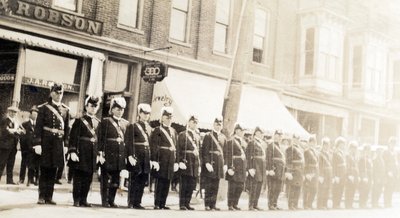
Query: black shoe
x=189 y=207
x=182 y=208
x=11 y=183
x=76 y=204
x=236 y=207
x=139 y=207
x=58 y=182
x=231 y=208
x=41 y=201
x=165 y=208
x=157 y=208
x=105 y=204
x=51 y=202
x=85 y=204
x=113 y=205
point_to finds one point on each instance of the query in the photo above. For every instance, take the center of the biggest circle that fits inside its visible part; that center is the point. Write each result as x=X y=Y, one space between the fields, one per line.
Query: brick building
x=303 y=61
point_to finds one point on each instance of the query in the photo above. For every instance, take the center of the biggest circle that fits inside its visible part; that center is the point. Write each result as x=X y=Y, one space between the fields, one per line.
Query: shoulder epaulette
x=122 y=119
x=43 y=104
x=65 y=106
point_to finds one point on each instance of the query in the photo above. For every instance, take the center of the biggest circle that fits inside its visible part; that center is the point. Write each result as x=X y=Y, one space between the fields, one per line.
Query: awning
x=96 y=72
x=263 y=108
x=188 y=94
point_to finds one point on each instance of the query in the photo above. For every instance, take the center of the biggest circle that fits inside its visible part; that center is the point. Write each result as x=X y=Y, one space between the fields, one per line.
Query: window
x=375 y=69
x=179 y=20
x=259 y=35
x=309 y=52
x=70 y=5
x=117 y=77
x=222 y=25
x=396 y=80
x=129 y=13
x=331 y=43
x=357 y=66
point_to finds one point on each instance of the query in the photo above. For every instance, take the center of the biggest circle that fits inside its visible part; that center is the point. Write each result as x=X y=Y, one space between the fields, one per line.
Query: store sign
x=153 y=71
x=7 y=78
x=51 y=16
x=47 y=84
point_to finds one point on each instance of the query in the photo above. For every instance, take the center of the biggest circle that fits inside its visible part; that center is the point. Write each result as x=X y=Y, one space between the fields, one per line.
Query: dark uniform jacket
x=111 y=142
x=84 y=142
x=137 y=145
x=188 y=153
x=275 y=160
x=295 y=164
x=325 y=166
x=26 y=142
x=8 y=140
x=378 y=174
x=52 y=118
x=235 y=159
x=389 y=158
x=163 y=150
x=212 y=153
x=255 y=156
x=352 y=167
x=311 y=161
x=339 y=164
x=365 y=168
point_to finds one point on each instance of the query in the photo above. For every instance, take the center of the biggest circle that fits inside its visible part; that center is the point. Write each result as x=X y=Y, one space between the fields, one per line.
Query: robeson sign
x=51 y=16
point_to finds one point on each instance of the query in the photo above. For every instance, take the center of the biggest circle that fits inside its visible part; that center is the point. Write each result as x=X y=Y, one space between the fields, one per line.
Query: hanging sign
x=153 y=71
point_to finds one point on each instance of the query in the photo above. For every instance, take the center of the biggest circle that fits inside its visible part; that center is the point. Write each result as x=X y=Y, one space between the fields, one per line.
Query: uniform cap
x=193 y=118
x=144 y=108
x=278 y=132
x=238 y=126
x=218 y=119
x=258 y=129
x=295 y=136
x=339 y=139
x=353 y=144
x=313 y=137
x=13 y=108
x=92 y=100
x=117 y=102
x=57 y=87
x=167 y=111
x=325 y=140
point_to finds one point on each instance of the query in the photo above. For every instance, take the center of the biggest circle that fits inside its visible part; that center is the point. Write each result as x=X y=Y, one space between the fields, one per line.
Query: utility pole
x=242 y=57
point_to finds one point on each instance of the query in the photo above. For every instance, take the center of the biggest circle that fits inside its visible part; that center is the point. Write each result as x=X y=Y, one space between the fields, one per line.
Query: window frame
x=186 y=41
x=227 y=26
x=78 y=11
x=139 y=19
x=265 y=37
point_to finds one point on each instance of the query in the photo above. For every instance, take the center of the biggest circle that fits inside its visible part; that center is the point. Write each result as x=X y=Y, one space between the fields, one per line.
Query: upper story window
x=260 y=32
x=129 y=13
x=330 y=56
x=179 y=20
x=357 y=66
x=222 y=25
x=375 y=69
x=70 y=5
x=309 y=51
x=396 y=80
x=117 y=76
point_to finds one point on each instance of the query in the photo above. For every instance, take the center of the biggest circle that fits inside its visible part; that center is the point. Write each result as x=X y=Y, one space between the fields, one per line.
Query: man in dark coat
x=256 y=167
x=29 y=158
x=389 y=156
x=51 y=135
x=10 y=133
x=212 y=163
x=163 y=157
x=275 y=170
x=83 y=151
x=378 y=177
x=189 y=162
x=352 y=174
x=310 y=185
x=294 y=172
x=339 y=172
x=112 y=154
x=365 y=172
x=138 y=152
x=235 y=160
x=325 y=174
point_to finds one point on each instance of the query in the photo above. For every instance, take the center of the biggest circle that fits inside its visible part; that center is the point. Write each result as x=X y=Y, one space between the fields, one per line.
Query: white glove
x=199 y=169
x=65 y=150
x=231 y=172
x=124 y=174
x=176 y=167
x=155 y=165
x=351 y=178
x=271 y=173
x=37 y=149
x=309 y=177
x=247 y=174
x=209 y=167
x=225 y=168
x=74 y=157
x=182 y=166
x=132 y=160
x=390 y=174
x=321 y=179
x=289 y=176
x=252 y=172
x=365 y=180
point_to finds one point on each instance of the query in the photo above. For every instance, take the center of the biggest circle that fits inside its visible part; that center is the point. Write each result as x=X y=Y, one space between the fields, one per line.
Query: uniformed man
x=82 y=151
x=389 y=156
x=365 y=173
x=294 y=172
x=213 y=163
x=325 y=174
x=378 y=177
x=163 y=157
x=275 y=170
x=235 y=161
x=311 y=173
x=10 y=132
x=339 y=172
x=189 y=162
x=352 y=174
x=31 y=158
x=51 y=137
x=112 y=155
x=256 y=167
x=138 y=152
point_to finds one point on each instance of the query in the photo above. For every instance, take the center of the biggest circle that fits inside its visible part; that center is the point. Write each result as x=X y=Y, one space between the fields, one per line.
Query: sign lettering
x=153 y=72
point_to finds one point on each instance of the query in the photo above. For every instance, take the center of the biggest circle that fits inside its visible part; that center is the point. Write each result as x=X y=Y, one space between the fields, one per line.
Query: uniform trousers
x=235 y=189
x=293 y=196
x=46 y=182
x=186 y=188
x=137 y=182
x=274 y=189
x=309 y=192
x=161 y=192
x=337 y=193
x=211 y=186
x=350 y=191
x=254 y=192
x=7 y=157
x=109 y=182
x=81 y=185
